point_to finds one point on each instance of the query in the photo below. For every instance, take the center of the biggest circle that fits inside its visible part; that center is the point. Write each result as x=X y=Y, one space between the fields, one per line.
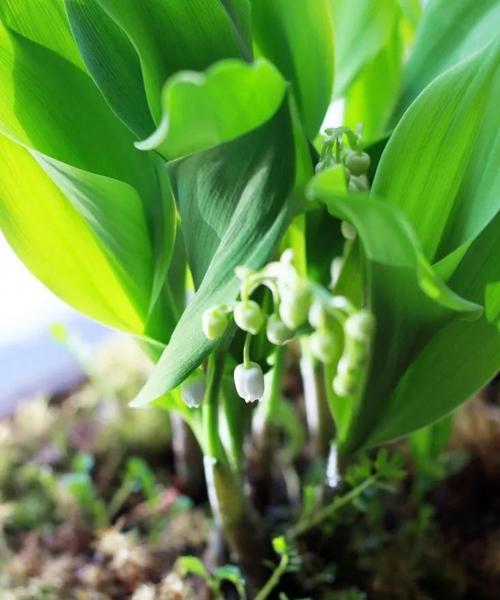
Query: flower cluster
x=354 y=161
x=338 y=332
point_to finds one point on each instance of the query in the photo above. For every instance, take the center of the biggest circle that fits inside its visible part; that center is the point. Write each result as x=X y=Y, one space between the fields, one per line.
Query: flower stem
x=273 y=581
x=246 y=350
x=328 y=511
x=231 y=508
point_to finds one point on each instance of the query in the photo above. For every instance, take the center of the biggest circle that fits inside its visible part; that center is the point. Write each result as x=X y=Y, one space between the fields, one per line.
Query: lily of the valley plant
x=164 y=169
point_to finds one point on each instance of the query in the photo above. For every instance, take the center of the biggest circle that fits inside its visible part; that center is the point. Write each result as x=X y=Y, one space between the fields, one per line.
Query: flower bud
x=345 y=367
x=344 y=387
x=323 y=345
x=214 y=322
x=277 y=332
x=358 y=163
x=193 y=390
x=358 y=185
x=294 y=305
x=359 y=326
x=317 y=315
x=335 y=270
x=249 y=316
x=249 y=382
x=347 y=230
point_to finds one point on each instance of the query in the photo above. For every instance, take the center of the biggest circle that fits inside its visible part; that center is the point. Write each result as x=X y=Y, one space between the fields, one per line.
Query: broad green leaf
x=461 y=357
x=176 y=35
x=203 y=110
x=297 y=37
x=440 y=167
x=42 y=22
x=409 y=302
x=449 y=32
x=366 y=100
x=362 y=29
x=115 y=214
x=53 y=109
x=53 y=239
x=49 y=105
x=240 y=13
x=113 y=63
x=235 y=202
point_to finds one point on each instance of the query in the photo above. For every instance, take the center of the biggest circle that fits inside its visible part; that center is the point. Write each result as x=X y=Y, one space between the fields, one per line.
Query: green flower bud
x=359 y=326
x=344 y=387
x=214 y=322
x=347 y=230
x=358 y=185
x=249 y=382
x=317 y=315
x=249 y=316
x=346 y=368
x=277 y=332
x=294 y=305
x=323 y=346
x=335 y=270
x=358 y=163
x=193 y=390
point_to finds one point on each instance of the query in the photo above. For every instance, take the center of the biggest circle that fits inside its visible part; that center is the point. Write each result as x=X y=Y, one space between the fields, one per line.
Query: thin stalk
x=231 y=508
x=275 y=578
x=187 y=457
x=319 y=421
x=328 y=511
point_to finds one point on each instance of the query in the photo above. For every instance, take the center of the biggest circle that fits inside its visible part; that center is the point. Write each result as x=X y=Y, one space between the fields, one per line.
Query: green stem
x=210 y=405
x=230 y=506
x=274 y=580
x=319 y=422
x=328 y=511
x=246 y=351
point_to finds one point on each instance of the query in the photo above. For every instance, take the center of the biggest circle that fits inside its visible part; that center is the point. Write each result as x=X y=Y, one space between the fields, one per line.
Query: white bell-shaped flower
x=193 y=390
x=249 y=381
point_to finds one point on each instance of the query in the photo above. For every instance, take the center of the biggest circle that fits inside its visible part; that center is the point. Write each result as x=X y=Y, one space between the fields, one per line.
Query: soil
x=91 y=508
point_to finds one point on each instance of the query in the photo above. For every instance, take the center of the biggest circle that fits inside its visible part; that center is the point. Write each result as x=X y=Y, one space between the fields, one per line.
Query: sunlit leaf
x=176 y=35
x=448 y=33
x=440 y=167
x=297 y=37
x=113 y=63
x=361 y=31
x=203 y=110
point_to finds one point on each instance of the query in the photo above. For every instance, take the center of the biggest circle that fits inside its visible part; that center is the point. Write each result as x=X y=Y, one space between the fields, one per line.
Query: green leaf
x=235 y=202
x=203 y=110
x=409 y=302
x=52 y=108
x=449 y=32
x=44 y=23
x=440 y=167
x=297 y=37
x=113 y=63
x=461 y=357
x=361 y=32
x=366 y=100
x=55 y=242
x=176 y=35
x=191 y=565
